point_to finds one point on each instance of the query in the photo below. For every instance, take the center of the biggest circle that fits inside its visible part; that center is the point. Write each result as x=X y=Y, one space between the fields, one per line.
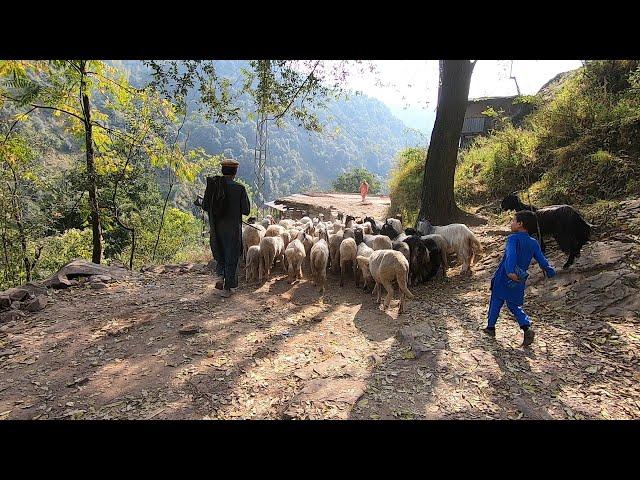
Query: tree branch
x=6 y=137
x=295 y=95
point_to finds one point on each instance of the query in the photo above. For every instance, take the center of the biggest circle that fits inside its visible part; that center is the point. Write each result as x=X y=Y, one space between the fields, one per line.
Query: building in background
x=475 y=123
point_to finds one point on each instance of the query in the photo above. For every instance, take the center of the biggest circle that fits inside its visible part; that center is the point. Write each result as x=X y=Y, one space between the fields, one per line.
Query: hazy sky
x=411 y=86
x=415 y=82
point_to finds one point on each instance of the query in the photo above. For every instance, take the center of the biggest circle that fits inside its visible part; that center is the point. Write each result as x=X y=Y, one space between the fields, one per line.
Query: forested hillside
x=356 y=131
x=149 y=161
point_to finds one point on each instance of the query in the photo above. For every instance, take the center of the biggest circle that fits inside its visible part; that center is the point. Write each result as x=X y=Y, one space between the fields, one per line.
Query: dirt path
x=278 y=351
x=351 y=203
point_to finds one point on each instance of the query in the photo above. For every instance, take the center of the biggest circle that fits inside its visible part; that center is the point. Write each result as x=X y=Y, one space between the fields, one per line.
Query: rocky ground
x=162 y=345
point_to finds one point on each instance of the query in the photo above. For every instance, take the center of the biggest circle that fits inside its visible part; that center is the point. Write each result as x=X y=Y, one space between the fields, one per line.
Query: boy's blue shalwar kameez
x=519 y=251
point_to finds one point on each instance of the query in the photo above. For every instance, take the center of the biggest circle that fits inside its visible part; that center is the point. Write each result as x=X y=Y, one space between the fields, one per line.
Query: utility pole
x=514 y=78
x=260 y=150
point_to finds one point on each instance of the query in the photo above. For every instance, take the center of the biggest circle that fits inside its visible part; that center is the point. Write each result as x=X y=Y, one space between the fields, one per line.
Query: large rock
x=5 y=301
x=36 y=304
x=17 y=294
x=81 y=268
x=10 y=316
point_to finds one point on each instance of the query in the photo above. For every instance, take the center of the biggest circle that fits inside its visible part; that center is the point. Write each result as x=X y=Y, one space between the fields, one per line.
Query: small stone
x=78 y=381
x=189 y=329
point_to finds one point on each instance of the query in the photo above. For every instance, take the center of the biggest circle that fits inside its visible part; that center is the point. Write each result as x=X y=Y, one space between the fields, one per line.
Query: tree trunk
x=437 y=203
x=17 y=216
x=96 y=256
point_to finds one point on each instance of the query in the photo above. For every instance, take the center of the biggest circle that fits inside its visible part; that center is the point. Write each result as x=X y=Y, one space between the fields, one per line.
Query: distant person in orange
x=364 y=189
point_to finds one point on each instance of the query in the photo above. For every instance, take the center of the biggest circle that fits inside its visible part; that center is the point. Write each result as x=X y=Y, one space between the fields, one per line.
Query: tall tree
x=437 y=202
x=64 y=87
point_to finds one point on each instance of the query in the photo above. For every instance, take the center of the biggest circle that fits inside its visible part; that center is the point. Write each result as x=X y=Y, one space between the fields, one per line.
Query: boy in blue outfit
x=508 y=283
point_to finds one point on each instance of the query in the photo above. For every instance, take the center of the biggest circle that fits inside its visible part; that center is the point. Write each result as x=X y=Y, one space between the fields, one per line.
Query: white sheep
x=396 y=224
x=348 y=252
x=460 y=240
x=266 y=221
x=271 y=249
x=386 y=266
x=319 y=260
x=334 y=250
x=379 y=242
x=337 y=226
x=363 y=270
x=348 y=233
x=287 y=222
x=252 y=264
x=286 y=238
x=274 y=231
x=295 y=254
x=251 y=236
x=443 y=246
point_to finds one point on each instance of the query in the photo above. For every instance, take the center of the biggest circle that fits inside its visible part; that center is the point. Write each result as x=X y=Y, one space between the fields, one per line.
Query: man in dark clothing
x=226 y=230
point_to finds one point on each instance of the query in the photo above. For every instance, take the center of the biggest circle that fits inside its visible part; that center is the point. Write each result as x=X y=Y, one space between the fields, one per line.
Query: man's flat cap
x=229 y=162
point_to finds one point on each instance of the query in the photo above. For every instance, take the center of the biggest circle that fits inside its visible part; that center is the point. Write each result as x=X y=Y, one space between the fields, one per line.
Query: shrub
x=349 y=181
x=405 y=183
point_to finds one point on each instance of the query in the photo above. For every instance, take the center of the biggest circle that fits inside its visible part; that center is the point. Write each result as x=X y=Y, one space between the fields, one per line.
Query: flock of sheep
x=378 y=252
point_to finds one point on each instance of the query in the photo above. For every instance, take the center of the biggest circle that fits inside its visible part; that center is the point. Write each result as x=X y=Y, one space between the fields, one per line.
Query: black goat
x=388 y=230
x=375 y=226
x=358 y=235
x=563 y=222
x=347 y=219
x=424 y=259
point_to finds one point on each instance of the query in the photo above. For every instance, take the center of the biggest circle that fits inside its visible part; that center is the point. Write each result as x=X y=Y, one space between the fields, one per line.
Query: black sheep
x=563 y=222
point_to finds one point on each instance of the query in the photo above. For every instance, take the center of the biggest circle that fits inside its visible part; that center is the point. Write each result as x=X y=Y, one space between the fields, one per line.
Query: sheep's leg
x=378 y=289
x=389 y=288
x=323 y=281
x=271 y=263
